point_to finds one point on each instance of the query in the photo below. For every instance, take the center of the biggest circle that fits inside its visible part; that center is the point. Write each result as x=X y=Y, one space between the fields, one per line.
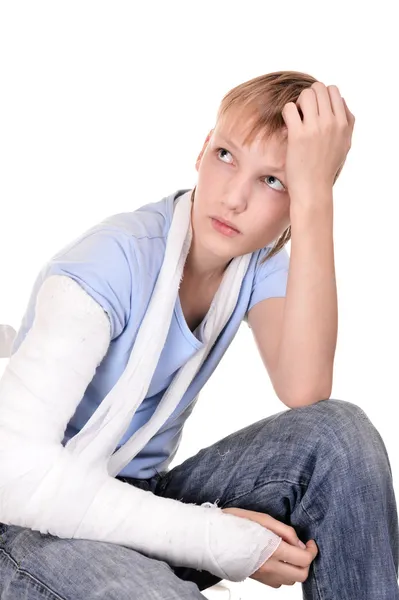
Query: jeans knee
x=337 y=415
x=341 y=428
x=353 y=434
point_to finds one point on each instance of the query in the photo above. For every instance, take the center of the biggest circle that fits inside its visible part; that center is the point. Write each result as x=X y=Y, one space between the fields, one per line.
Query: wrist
x=314 y=203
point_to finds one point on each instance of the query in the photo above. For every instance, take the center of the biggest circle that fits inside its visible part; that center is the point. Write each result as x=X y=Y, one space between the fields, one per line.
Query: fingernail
x=301 y=544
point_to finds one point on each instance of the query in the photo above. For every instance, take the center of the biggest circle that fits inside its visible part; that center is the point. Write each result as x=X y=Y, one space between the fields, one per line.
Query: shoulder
x=118 y=258
x=151 y=220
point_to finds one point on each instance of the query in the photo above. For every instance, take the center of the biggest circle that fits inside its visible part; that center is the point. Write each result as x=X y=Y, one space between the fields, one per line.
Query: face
x=245 y=185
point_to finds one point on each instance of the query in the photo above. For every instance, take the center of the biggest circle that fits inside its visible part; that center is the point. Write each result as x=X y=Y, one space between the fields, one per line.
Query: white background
x=104 y=107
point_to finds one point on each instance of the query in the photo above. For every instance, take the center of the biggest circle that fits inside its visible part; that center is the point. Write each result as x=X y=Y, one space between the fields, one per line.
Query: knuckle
x=306 y=92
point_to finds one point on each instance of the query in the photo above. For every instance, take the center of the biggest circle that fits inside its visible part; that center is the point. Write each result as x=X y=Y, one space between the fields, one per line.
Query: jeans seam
x=321 y=596
x=26 y=573
x=263 y=485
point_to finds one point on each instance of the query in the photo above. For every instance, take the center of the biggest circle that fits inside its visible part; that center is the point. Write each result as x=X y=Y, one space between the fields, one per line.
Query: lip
x=223 y=228
x=225 y=222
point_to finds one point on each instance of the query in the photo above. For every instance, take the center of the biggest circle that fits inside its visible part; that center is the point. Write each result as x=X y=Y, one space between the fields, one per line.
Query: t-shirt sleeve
x=101 y=263
x=270 y=279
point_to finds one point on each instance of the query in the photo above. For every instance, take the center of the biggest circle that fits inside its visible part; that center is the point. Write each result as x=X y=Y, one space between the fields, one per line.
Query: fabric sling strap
x=71 y=492
x=97 y=440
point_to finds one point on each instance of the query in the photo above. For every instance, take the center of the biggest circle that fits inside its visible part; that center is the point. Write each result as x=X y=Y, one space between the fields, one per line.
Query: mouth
x=224 y=227
x=225 y=222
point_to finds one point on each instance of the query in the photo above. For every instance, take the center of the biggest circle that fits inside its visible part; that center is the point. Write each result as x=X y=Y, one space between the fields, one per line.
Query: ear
x=208 y=137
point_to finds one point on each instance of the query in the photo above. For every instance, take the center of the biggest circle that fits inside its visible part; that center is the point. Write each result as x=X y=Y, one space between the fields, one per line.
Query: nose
x=237 y=195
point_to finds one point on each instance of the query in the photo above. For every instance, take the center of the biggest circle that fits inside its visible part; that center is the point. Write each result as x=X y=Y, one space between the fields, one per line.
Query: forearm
x=50 y=491
x=309 y=332
x=49 y=488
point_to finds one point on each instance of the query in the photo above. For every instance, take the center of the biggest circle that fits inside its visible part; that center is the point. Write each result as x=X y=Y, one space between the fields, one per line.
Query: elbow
x=298 y=397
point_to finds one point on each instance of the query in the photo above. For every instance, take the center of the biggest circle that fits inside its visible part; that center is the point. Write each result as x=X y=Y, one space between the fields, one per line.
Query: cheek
x=210 y=180
x=211 y=165
x=281 y=212
x=272 y=221
x=276 y=212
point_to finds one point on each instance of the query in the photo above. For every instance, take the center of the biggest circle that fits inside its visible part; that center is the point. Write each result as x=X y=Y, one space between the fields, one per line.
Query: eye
x=278 y=189
x=281 y=189
x=222 y=150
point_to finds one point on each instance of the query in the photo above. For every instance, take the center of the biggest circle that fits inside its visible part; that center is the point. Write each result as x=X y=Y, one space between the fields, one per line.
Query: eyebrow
x=276 y=168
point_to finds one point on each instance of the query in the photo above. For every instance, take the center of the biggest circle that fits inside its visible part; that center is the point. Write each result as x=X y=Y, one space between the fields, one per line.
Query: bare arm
x=297 y=335
x=301 y=355
x=309 y=327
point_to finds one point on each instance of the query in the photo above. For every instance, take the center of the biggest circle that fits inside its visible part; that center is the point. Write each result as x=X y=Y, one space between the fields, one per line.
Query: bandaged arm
x=46 y=488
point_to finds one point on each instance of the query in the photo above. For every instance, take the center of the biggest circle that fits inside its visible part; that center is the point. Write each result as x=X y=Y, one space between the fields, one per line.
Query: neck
x=203 y=266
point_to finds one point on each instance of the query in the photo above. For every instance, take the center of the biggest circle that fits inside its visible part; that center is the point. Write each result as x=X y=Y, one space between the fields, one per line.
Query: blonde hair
x=257 y=105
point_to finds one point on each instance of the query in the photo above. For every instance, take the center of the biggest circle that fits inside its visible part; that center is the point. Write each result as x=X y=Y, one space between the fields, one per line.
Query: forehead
x=248 y=126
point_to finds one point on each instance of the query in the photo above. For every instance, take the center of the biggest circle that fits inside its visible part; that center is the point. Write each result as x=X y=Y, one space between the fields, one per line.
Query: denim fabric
x=323 y=469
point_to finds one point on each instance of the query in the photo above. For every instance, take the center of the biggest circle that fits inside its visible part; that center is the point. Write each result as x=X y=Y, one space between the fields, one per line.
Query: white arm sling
x=71 y=491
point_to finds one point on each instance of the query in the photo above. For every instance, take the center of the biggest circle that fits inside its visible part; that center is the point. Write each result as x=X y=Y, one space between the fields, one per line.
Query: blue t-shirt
x=117 y=262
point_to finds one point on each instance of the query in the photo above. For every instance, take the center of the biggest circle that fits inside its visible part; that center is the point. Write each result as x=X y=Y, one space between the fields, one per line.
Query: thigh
x=220 y=473
x=268 y=465
x=280 y=449
x=39 y=566
x=235 y=465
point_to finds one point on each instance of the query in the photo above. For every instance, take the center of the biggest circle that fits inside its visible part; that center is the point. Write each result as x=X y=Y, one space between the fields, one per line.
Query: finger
x=293 y=555
x=286 y=532
x=291 y=117
x=323 y=99
x=312 y=548
x=288 y=574
x=338 y=106
x=307 y=102
x=290 y=536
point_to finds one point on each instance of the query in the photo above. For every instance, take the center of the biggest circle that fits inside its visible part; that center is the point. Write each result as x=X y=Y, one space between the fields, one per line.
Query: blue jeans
x=323 y=469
